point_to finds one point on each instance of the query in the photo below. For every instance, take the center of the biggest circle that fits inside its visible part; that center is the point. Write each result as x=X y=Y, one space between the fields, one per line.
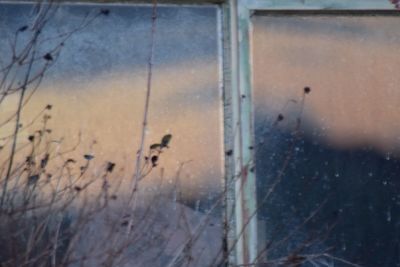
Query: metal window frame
x=243 y=234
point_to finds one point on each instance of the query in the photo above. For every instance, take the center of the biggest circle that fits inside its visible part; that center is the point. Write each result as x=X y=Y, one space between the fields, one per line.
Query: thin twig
x=139 y=154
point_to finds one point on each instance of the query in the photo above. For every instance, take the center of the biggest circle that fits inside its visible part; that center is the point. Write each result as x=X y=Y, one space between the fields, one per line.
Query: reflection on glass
x=97 y=89
x=327 y=132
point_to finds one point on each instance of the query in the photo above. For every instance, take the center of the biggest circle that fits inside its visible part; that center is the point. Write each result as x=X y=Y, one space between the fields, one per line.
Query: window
x=199 y=133
x=316 y=106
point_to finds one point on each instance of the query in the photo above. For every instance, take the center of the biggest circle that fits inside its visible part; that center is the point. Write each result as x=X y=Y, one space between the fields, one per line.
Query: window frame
x=245 y=237
x=235 y=26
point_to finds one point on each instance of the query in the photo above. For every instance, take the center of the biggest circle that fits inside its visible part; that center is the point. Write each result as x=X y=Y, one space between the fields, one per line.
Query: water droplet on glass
x=389 y=215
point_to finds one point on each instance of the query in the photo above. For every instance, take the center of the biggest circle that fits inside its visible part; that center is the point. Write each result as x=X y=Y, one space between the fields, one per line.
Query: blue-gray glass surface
x=327 y=138
x=97 y=88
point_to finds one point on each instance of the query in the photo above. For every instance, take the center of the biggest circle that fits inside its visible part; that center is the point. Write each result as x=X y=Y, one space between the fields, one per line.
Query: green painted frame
x=245 y=237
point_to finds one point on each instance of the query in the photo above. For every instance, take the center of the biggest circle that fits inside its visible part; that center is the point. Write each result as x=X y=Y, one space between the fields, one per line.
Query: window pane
x=329 y=153
x=97 y=90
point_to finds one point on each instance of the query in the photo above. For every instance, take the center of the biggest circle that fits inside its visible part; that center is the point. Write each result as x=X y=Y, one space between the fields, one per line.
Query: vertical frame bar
x=243 y=157
x=246 y=185
x=229 y=186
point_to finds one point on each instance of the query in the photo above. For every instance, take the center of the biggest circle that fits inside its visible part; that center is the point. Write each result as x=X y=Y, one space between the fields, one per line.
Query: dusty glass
x=94 y=95
x=327 y=137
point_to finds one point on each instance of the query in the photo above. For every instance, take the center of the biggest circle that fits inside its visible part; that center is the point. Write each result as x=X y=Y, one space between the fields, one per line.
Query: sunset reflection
x=351 y=65
x=328 y=157
x=97 y=90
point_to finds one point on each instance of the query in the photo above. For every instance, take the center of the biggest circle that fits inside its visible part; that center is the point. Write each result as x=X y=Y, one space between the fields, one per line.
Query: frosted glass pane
x=331 y=155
